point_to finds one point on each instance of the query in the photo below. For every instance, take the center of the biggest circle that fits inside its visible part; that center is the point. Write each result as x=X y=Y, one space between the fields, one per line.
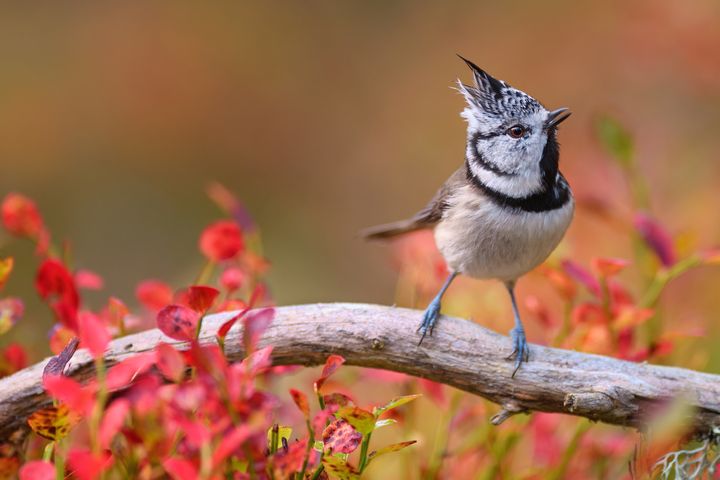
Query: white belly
x=482 y=240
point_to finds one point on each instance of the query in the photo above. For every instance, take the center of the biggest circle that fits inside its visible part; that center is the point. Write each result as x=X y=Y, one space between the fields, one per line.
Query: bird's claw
x=521 y=350
x=432 y=312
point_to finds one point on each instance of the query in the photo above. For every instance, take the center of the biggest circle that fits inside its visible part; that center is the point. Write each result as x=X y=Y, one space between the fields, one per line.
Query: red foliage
x=221 y=241
x=198 y=297
x=56 y=285
x=21 y=217
x=178 y=322
x=154 y=294
x=93 y=334
x=37 y=470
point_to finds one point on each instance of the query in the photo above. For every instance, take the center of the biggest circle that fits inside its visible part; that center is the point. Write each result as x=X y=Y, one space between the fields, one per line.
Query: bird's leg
x=521 y=351
x=432 y=312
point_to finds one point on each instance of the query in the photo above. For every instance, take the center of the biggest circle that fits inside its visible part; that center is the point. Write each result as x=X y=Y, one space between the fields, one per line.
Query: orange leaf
x=6 y=266
x=301 y=401
x=608 y=267
x=54 y=422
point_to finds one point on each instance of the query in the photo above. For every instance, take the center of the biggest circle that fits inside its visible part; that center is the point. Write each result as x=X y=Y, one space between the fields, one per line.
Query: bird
x=505 y=210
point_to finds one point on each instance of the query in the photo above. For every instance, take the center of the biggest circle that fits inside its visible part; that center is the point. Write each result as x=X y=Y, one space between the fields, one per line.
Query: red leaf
x=113 y=420
x=331 y=365
x=255 y=323
x=93 y=334
x=608 y=267
x=225 y=327
x=37 y=470
x=340 y=437
x=582 y=276
x=56 y=365
x=301 y=401
x=80 y=399
x=88 y=280
x=657 y=238
x=170 y=362
x=221 y=241
x=55 y=285
x=87 y=466
x=14 y=358
x=153 y=294
x=178 y=322
x=123 y=373
x=229 y=443
x=6 y=267
x=232 y=279
x=259 y=361
x=198 y=297
x=20 y=216
x=180 y=469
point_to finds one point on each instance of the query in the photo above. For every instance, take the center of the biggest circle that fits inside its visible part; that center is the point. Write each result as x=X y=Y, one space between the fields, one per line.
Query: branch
x=461 y=354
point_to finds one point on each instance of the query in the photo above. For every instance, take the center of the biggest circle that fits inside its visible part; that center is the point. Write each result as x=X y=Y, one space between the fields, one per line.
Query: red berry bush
x=184 y=411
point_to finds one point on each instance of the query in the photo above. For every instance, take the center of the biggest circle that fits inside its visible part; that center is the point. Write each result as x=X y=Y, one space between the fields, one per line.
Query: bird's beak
x=556 y=117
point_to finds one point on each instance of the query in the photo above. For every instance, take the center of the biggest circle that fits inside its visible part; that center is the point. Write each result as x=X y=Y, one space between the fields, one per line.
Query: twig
x=461 y=354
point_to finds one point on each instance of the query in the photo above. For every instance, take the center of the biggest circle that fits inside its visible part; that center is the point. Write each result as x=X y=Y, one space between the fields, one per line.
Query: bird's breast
x=484 y=240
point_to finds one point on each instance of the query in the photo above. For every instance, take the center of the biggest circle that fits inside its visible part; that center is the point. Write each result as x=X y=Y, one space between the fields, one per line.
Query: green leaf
x=337 y=468
x=385 y=422
x=319 y=446
x=283 y=432
x=390 y=448
x=362 y=420
x=616 y=140
x=394 y=403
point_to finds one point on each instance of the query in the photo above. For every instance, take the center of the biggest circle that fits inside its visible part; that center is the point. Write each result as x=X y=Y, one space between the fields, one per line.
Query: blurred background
x=327 y=117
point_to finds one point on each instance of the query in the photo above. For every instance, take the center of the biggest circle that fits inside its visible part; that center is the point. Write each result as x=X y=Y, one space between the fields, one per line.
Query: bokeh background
x=326 y=117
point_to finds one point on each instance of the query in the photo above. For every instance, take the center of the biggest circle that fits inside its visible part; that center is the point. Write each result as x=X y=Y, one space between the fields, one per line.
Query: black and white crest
x=495 y=97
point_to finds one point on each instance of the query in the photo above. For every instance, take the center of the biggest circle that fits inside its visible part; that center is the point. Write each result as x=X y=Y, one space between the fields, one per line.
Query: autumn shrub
x=184 y=411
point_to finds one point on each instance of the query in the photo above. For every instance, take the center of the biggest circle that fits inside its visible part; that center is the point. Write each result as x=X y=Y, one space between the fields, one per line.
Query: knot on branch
x=508 y=410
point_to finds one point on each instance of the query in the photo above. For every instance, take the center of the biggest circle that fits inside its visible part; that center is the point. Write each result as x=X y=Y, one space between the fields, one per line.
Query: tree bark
x=461 y=354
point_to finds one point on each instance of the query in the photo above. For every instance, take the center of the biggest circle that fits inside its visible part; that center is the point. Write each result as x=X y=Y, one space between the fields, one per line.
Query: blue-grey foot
x=521 y=351
x=432 y=312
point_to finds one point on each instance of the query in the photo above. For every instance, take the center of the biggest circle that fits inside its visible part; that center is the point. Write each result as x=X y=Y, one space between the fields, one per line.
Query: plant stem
x=205 y=273
x=48 y=451
x=308 y=450
x=364 y=451
x=318 y=471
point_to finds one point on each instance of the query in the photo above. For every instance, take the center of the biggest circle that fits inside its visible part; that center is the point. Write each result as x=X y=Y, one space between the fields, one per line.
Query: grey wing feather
x=428 y=217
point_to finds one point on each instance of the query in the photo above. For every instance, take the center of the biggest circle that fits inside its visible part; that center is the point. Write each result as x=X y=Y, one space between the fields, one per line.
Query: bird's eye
x=516 y=131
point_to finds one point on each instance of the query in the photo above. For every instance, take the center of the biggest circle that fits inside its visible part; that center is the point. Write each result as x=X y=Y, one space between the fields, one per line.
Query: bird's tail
x=390 y=230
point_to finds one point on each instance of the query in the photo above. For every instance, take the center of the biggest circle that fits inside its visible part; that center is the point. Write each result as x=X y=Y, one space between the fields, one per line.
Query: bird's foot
x=521 y=350
x=432 y=312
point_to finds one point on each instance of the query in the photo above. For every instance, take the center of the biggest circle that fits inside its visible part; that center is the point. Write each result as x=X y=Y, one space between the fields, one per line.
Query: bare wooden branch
x=461 y=354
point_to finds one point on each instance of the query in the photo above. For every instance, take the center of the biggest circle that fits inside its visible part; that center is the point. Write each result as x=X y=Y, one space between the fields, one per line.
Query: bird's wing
x=428 y=217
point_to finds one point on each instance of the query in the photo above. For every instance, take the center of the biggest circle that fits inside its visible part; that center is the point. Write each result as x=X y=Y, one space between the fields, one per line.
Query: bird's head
x=511 y=145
